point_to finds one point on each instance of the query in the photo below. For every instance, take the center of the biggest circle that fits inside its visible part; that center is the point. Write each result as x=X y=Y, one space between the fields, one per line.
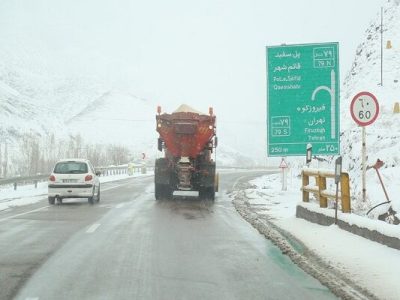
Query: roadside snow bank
x=368 y=267
x=259 y=210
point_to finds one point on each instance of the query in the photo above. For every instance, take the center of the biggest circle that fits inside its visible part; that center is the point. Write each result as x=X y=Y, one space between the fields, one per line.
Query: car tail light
x=88 y=177
x=52 y=178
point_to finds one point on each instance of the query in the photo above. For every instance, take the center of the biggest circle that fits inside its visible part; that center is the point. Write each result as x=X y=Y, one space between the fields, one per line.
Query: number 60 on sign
x=364 y=108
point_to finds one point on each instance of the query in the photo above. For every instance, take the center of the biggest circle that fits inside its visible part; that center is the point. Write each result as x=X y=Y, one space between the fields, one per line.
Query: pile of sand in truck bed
x=187 y=108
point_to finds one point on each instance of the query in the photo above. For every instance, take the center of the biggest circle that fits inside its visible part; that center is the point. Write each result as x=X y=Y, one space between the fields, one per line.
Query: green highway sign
x=303 y=99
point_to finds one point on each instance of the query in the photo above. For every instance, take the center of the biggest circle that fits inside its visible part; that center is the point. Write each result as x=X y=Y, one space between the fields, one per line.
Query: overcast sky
x=209 y=51
x=202 y=53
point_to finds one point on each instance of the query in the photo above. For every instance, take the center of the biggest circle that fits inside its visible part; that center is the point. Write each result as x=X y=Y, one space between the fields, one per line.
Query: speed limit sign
x=364 y=108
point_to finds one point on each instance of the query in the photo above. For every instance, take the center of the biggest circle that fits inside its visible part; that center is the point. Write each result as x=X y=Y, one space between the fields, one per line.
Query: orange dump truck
x=187 y=138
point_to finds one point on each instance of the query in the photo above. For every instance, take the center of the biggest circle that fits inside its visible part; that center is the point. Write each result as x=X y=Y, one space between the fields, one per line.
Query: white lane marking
x=93 y=228
x=25 y=213
x=115 y=187
x=120 y=205
x=30 y=298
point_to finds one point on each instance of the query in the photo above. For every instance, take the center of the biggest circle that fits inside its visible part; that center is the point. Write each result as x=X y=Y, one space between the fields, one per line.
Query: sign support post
x=338 y=175
x=364 y=109
x=364 y=164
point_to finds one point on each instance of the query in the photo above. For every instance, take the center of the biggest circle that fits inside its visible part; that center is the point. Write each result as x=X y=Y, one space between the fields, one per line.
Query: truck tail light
x=88 y=177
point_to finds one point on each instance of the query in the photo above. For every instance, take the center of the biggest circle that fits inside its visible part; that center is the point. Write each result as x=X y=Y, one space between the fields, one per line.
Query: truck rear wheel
x=162 y=191
x=158 y=191
x=168 y=192
x=211 y=193
x=207 y=193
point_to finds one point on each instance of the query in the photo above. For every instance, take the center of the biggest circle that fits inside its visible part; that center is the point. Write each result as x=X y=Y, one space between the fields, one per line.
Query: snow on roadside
x=24 y=195
x=370 y=265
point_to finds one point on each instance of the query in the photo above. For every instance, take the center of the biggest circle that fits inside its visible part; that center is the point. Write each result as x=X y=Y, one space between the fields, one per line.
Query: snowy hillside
x=118 y=118
x=15 y=112
x=383 y=136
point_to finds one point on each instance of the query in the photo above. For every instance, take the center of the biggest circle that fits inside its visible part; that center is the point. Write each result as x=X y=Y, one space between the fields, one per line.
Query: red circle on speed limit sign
x=364 y=108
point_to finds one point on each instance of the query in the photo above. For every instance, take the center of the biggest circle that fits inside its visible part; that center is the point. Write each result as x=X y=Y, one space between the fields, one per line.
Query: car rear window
x=71 y=167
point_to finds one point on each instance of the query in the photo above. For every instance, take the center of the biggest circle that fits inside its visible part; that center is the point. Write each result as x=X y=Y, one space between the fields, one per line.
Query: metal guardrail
x=129 y=169
x=105 y=171
x=320 y=190
x=24 y=180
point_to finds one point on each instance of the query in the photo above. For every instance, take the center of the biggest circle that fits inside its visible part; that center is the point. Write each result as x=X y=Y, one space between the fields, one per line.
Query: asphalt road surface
x=130 y=246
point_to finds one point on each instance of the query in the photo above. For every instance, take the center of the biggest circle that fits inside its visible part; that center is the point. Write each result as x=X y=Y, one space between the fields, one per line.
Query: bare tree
x=35 y=157
x=36 y=154
x=5 y=161
x=30 y=154
x=78 y=145
x=1 y=164
x=95 y=153
x=118 y=154
x=71 y=147
x=52 y=153
x=26 y=155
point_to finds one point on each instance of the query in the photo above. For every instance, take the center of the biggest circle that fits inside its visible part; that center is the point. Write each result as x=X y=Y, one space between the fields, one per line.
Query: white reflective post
x=308 y=154
x=284 y=179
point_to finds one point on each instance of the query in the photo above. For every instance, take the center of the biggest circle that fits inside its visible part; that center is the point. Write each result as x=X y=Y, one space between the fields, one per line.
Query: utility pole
x=381 y=46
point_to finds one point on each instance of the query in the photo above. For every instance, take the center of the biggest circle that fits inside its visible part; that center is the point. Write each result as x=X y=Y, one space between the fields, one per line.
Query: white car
x=74 y=178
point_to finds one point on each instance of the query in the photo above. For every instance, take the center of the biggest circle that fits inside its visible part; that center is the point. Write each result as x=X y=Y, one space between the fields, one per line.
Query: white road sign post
x=364 y=109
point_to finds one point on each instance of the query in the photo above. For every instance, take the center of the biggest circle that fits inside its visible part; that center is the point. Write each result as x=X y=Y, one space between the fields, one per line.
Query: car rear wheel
x=98 y=195
x=91 y=198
